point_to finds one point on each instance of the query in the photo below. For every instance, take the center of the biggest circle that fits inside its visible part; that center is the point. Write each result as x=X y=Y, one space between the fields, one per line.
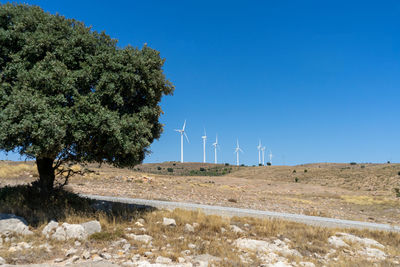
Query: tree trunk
x=46 y=174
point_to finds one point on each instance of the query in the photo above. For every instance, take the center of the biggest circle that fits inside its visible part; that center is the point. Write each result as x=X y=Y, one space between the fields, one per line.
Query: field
x=365 y=192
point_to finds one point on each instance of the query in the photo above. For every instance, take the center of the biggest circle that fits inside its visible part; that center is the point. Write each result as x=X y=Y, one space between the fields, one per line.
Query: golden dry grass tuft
x=16 y=170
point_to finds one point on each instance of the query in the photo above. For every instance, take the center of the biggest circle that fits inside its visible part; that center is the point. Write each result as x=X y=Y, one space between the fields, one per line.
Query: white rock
x=97 y=258
x=169 y=222
x=188 y=228
x=57 y=260
x=148 y=253
x=192 y=246
x=363 y=241
x=181 y=260
x=337 y=242
x=140 y=238
x=46 y=246
x=2 y=261
x=277 y=246
x=163 y=260
x=136 y=257
x=373 y=254
x=186 y=252
x=306 y=264
x=49 y=228
x=223 y=230
x=205 y=259
x=77 y=244
x=236 y=229
x=141 y=220
x=71 y=252
x=75 y=231
x=59 y=234
x=10 y=223
x=91 y=227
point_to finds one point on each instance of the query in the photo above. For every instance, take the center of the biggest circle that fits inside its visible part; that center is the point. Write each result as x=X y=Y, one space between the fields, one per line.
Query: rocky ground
x=181 y=240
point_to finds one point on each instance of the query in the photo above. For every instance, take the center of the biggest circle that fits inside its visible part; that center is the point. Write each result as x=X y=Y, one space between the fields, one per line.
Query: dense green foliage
x=68 y=93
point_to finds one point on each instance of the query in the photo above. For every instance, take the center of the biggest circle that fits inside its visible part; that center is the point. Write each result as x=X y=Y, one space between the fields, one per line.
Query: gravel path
x=229 y=212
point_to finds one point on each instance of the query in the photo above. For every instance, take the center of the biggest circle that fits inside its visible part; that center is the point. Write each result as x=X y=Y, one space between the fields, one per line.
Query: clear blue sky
x=316 y=81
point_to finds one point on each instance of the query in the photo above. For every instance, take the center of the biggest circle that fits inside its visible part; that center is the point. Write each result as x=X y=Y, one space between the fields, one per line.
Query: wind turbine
x=215 y=145
x=263 y=155
x=270 y=157
x=204 y=137
x=259 y=147
x=182 y=132
x=237 y=149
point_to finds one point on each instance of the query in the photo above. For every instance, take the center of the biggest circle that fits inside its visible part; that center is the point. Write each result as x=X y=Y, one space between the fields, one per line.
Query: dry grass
x=13 y=170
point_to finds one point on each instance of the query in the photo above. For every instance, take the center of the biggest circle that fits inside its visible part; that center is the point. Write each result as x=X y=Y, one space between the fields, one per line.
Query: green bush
x=269 y=164
x=398 y=173
x=296 y=180
x=294 y=171
x=305 y=170
x=226 y=164
x=362 y=166
x=170 y=170
x=202 y=169
x=353 y=163
x=397 y=191
x=159 y=168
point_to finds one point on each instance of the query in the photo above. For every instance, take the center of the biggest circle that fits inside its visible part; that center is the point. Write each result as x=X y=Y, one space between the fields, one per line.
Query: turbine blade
x=186 y=137
x=184 y=125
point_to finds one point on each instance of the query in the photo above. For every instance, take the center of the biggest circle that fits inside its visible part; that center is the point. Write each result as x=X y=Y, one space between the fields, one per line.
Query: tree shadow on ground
x=28 y=202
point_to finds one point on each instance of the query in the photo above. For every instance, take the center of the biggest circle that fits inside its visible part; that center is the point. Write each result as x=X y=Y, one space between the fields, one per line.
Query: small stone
x=58 y=260
x=72 y=260
x=71 y=252
x=163 y=260
x=128 y=229
x=337 y=242
x=86 y=255
x=223 y=230
x=169 y=222
x=188 y=228
x=186 y=252
x=195 y=224
x=126 y=247
x=96 y=257
x=141 y=220
x=138 y=224
x=192 y=246
x=306 y=264
x=94 y=251
x=2 y=261
x=236 y=229
x=141 y=238
x=246 y=225
x=148 y=253
x=181 y=260
x=77 y=243
x=136 y=257
x=105 y=256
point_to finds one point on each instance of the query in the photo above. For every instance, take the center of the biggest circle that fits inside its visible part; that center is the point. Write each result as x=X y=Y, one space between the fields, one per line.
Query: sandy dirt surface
x=361 y=192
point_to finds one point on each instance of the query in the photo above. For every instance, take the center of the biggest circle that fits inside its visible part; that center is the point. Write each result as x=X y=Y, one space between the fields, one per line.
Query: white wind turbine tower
x=182 y=132
x=215 y=145
x=263 y=155
x=204 y=137
x=259 y=147
x=237 y=149
x=270 y=157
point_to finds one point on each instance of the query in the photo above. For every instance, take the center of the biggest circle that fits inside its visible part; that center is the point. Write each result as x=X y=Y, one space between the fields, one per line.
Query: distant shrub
x=232 y=200
x=398 y=173
x=170 y=170
x=296 y=180
x=269 y=163
x=226 y=164
x=259 y=164
x=353 y=163
x=294 y=171
x=242 y=165
x=388 y=162
x=305 y=170
x=174 y=164
x=362 y=166
x=202 y=169
x=159 y=168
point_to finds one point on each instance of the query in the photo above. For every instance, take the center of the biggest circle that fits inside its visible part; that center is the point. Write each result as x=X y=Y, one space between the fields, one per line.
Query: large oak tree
x=70 y=94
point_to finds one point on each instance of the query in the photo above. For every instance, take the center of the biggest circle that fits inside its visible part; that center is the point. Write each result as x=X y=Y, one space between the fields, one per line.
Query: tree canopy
x=69 y=93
